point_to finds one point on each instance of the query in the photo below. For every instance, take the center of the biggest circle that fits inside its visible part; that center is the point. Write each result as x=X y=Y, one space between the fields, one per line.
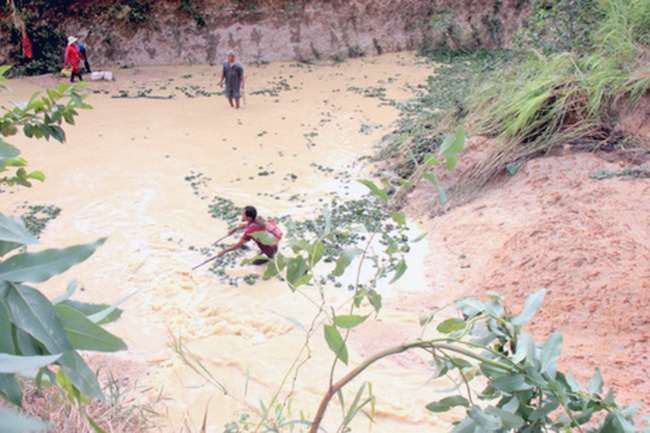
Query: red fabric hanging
x=27 y=45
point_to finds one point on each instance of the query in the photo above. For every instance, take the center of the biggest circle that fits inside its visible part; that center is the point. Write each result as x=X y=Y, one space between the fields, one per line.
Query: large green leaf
x=442 y=196
x=531 y=306
x=10 y=389
x=86 y=335
x=453 y=144
x=345 y=259
x=551 y=353
x=104 y=314
x=451 y=162
x=39 y=267
x=545 y=409
x=274 y=267
x=447 y=403
x=451 y=325
x=296 y=269
x=509 y=421
x=12 y=422
x=6 y=247
x=81 y=376
x=33 y=313
x=349 y=321
x=596 y=384
x=375 y=190
x=470 y=306
x=375 y=299
x=26 y=345
x=399 y=218
x=315 y=253
x=525 y=349
x=12 y=229
x=20 y=364
x=510 y=382
x=615 y=423
x=466 y=426
x=7 y=153
x=336 y=343
x=484 y=420
x=100 y=314
x=72 y=287
x=399 y=271
x=6 y=342
x=264 y=237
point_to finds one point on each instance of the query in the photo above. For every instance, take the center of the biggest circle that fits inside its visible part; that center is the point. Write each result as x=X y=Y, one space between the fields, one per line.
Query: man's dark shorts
x=270 y=254
x=233 y=94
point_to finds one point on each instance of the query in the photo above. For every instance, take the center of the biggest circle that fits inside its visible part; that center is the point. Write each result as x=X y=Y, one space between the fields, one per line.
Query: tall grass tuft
x=125 y=409
x=565 y=98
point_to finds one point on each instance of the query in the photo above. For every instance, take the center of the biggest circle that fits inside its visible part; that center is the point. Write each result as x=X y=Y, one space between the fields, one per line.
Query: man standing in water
x=233 y=74
x=252 y=223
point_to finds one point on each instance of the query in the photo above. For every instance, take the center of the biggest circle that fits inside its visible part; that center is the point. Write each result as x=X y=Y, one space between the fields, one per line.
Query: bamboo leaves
x=16 y=423
x=17 y=364
x=46 y=334
x=13 y=230
x=86 y=335
x=39 y=267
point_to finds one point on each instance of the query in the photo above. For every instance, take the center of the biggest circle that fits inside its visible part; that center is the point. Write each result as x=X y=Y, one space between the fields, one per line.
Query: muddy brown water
x=121 y=175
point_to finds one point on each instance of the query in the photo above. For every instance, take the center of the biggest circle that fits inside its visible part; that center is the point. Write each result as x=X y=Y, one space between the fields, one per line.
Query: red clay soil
x=587 y=241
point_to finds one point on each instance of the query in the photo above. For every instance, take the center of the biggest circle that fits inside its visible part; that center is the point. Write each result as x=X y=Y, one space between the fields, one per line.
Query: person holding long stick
x=252 y=223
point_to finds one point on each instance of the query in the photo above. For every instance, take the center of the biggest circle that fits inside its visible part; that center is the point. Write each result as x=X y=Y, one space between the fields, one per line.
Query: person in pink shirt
x=72 y=58
x=252 y=223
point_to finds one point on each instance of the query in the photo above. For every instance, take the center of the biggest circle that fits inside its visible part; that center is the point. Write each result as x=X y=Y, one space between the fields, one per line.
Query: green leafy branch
x=524 y=390
x=43 y=333
x=41 y=337
x=447 y=154
x=39 y=117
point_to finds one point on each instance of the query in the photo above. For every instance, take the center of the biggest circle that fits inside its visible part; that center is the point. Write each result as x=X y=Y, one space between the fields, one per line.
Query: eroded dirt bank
x=555 y=225
x=165 y=32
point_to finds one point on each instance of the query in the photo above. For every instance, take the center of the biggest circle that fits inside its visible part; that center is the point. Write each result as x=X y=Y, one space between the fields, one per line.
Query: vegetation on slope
x=563 y=88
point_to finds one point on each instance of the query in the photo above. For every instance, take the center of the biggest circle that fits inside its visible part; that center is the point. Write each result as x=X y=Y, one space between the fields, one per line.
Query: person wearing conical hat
x=72 y=58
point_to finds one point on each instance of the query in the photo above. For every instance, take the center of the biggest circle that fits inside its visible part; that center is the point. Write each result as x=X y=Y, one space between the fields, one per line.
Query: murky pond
x=295 y=144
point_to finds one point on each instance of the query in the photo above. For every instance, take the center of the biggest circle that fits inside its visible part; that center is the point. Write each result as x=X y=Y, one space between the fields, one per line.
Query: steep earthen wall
x=288 y=31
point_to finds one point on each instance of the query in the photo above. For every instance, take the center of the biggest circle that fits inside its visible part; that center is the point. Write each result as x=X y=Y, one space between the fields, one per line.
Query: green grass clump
x=439 y=104
x=566 y=98
x=531 y=102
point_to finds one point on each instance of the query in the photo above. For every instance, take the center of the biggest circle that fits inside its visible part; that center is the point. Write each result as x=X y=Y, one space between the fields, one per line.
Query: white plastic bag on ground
x=101 y=75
